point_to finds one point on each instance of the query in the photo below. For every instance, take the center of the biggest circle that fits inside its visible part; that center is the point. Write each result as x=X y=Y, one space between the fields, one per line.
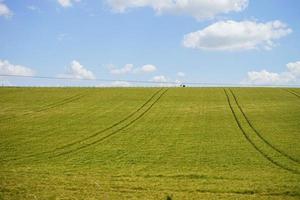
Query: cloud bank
x=199 y=9
x=264 y=77
x=234 y=36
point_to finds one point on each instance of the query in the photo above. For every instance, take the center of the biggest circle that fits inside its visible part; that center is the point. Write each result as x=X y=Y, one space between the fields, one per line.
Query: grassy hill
x=149 y=143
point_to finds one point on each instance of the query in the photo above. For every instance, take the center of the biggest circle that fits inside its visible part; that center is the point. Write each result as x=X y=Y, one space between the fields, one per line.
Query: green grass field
x=149 y=143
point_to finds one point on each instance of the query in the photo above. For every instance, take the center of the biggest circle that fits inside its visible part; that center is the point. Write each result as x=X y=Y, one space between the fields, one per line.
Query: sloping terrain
x=149 y=143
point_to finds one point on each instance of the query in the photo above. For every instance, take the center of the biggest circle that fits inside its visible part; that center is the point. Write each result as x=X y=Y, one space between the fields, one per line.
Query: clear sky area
x=254 y=42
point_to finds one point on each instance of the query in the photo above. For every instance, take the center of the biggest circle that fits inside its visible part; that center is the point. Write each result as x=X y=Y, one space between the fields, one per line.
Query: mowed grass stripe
x=114 y=132
x=253 y=143
x=258 y=133
x=91 y=136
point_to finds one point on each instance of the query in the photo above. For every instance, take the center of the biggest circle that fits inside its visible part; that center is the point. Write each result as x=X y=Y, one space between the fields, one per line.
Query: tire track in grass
x=66 y=101
x=112 y=126
x=49 y=106
x=292 y=92
x=50 y=131
x=258 y=133
x=242 y=192
x=252 y=143
x=113 y=133
x=91 y=136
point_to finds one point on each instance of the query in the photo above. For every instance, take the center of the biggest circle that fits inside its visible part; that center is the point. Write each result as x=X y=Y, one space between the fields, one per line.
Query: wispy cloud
x=129 y=68
x=34 y=8
x=62 y=36
x=180 y=74
x=165 y=81
x=160 y=79
x=67 y=3
x=123 y=70
x=120 y=84
x=204 y=9
x=146 y=69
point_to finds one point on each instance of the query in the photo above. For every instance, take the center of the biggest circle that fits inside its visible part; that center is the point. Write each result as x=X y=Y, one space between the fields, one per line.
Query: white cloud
x=294 y=68
x=233 y=35
x=6 y=68
x=34 y=8
x=199 y=9
x=180 y=74
x=146 y=69
x=129 y=68
x=76 y=70
x=67 y=3
x=165 y=81
x=5 y=11
x=264 y=77
x=160 y=79
x=124 y=70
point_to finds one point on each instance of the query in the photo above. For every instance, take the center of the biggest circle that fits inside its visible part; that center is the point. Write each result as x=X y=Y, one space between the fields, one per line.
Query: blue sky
x=244 y=41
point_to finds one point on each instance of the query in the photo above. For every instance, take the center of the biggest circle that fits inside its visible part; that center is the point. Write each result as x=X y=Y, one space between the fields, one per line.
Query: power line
x=85 y=79
x=147 y=82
